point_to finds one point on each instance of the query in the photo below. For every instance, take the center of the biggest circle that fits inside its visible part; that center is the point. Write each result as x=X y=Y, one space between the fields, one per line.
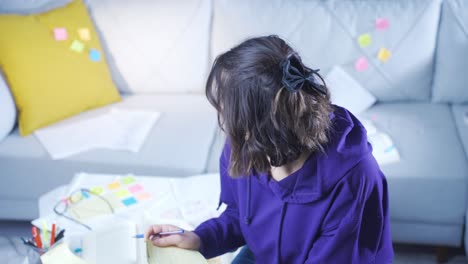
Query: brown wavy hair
x=265 y=123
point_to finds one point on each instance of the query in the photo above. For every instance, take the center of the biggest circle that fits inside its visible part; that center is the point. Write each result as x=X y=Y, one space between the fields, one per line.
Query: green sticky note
x=122 y=193
x=364 y=40
x=128 y=180
x=77 y=46
x=97 y=190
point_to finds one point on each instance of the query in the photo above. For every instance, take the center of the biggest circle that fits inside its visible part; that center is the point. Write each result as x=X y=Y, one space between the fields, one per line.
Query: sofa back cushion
x=325 y=33
x=157 y=45
x=8 y=112
x=451 y=78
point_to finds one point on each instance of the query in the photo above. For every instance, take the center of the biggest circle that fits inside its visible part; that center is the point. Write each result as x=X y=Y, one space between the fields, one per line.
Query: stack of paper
x=383 y=149
x=116 y=129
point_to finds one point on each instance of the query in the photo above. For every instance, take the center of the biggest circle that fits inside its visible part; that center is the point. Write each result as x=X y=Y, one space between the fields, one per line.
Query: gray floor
x=10 y=245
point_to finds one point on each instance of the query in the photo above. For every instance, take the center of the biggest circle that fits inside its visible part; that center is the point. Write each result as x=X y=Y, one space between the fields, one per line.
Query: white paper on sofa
x=383 y=149
x=347 y=92
x=117 y=129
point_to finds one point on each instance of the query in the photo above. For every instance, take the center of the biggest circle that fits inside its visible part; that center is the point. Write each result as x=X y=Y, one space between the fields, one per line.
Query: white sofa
x=160 y=52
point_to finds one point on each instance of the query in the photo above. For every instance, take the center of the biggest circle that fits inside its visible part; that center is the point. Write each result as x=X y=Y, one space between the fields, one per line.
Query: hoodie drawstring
x=248 y=218
x=280 y=232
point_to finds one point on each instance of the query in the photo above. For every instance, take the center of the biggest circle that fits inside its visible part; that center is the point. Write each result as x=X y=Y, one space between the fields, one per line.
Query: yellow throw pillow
x=54 y=65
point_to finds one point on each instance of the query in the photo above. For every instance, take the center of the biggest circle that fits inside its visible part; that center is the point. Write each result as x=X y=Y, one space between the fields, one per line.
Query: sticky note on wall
x=60 y=34
x=384 y=54
x=364 y=40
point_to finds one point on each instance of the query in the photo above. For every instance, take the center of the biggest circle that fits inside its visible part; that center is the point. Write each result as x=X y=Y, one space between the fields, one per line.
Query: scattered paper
x=77 y=46
x=381 y=23
x=61 y=254
x=383 y=149
x=347 y=92
x=60 y=34
x=384 y=54
x=116 y=130
x=369 y=126
x=94 y=55
x=361 y=64
x=364 y=40
x=84 y=34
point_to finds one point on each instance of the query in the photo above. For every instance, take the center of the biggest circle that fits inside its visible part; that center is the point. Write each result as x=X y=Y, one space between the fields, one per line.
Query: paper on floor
x=117 y=129
x=383 y=149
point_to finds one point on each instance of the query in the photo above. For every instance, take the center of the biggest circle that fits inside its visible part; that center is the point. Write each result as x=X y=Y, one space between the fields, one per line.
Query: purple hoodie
x=334 y=209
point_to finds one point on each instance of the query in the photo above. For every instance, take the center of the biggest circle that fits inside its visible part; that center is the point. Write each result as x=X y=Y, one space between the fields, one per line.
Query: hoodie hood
x=321 y=172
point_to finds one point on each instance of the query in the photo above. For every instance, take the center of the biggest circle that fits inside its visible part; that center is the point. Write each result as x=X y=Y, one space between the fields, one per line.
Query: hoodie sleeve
x=356 y=227
x=222 y=234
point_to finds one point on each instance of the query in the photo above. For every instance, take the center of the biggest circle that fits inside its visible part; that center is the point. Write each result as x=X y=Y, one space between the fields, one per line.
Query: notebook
x=173 y=255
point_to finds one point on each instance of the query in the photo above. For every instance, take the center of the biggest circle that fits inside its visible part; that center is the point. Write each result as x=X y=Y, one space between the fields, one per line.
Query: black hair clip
x=295 y=74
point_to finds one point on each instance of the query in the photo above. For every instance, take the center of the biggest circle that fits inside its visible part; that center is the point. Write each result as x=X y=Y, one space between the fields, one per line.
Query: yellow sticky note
x=84 y=34
x=384 y=54
x=97 y=190
x=113 y=186
x=122 y=193
x=364 y=40
x=77 y=46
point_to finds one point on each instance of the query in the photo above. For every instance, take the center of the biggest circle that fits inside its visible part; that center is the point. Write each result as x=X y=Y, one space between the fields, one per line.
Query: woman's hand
x=187 y=240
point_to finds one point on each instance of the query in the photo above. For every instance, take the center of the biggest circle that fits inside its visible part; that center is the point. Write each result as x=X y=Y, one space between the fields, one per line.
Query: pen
x=181 y=231
x=36 y=236
x=27 y=242
x=59 y=235
x=52 y=235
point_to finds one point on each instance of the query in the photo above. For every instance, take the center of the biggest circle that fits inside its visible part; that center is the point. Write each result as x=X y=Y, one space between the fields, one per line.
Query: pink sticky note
x=60 y=34
x=135 y=188
x=381 y=23
x=361 y=64
x=374 y=117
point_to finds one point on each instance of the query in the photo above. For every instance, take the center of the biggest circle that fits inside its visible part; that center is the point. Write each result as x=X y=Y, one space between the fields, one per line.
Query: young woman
x=297 y=173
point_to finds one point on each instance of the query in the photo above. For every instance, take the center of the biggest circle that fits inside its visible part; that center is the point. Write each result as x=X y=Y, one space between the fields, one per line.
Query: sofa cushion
x=178 y=145
x=157 y=46
x=450 y=78
x=8 y=112
x=29 y=6
x=325 y=33
x=429 y=183
x=459 y=115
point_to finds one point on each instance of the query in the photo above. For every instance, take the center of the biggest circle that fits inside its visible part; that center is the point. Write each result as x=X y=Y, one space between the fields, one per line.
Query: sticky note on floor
x=84 y=34
x=129 y=201
x=122 y=193
x=113 y=186
x=135 y=188
x=384 y=54
x=94 y=55
x=143 y=196
x=97 y=190
x=60 y=34
x=77 y=46
x=128 y=180
x=361 y=64
x=364 y=40
x=381 y=23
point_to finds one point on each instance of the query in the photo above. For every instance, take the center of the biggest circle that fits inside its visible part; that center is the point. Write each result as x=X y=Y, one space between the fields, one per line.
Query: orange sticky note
x=142 y=196
x=384 y=54
x=84 y=34
x=364 y=40
x=113 y=186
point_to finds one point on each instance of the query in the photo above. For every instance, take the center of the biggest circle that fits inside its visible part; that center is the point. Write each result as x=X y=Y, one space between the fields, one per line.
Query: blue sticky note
x=85 y=194
x=129 y=201
x=94 y=55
